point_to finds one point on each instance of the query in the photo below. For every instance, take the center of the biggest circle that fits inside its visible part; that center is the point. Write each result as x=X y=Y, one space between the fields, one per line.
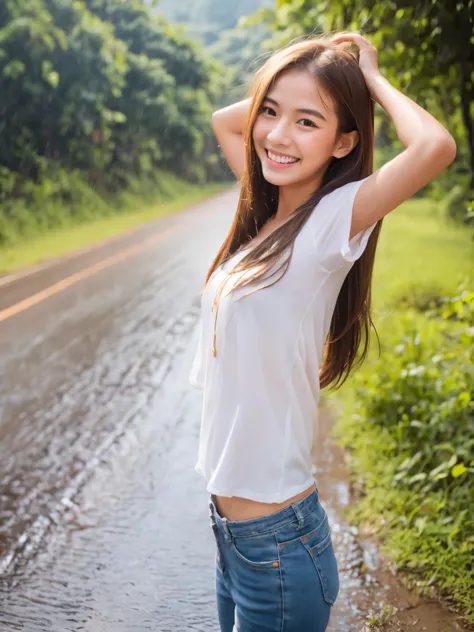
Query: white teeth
x=282 y=159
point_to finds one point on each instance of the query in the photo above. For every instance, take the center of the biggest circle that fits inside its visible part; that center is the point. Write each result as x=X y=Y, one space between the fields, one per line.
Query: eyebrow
x=315 y=113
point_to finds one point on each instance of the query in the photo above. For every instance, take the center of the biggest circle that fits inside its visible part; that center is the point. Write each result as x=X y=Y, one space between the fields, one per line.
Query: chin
x=279 y=179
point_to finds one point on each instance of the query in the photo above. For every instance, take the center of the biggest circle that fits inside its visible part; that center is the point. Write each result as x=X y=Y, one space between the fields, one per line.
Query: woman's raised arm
x=228 y=125
x=429 y=147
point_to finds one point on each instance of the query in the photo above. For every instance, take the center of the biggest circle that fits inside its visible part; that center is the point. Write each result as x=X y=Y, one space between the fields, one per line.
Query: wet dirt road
x=104 y=523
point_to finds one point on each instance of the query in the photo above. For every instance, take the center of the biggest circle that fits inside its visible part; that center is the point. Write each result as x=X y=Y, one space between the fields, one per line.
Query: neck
x=292 y=196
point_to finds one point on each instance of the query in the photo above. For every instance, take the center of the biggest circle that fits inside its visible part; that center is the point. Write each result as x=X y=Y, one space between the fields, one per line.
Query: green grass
x=70 y=238
x=421 y=256
x=419 y=248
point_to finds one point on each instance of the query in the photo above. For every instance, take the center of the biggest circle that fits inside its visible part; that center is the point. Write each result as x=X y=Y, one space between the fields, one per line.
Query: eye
x=266 y=107
x=311 y=124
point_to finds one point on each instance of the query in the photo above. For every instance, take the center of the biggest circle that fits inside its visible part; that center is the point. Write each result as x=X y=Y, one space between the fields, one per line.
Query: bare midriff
x=237 y=508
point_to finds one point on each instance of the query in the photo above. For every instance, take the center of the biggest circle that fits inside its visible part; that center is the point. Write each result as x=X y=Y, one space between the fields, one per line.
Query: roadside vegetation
x=105 y=110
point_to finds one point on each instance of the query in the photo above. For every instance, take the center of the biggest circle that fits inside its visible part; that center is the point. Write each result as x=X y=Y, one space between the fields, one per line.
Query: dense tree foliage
x=217 y=24
x=100 y=90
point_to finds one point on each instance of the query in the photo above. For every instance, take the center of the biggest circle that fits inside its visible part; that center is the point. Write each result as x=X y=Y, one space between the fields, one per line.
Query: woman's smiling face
x=295 y=131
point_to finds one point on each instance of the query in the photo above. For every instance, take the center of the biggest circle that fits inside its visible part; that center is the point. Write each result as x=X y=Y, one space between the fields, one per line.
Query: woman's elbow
x=446 y=148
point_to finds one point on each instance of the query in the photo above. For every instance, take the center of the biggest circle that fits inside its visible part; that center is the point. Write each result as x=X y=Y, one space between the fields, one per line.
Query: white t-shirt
x=261 y=390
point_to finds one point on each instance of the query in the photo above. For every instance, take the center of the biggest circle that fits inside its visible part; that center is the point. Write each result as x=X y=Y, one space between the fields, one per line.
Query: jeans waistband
x=299 y=509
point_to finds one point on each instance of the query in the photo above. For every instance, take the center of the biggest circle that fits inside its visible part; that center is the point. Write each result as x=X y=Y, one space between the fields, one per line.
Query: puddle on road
x=54 y=437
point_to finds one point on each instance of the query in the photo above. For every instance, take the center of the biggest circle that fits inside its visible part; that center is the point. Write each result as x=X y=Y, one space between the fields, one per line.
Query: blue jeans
x=277 y=573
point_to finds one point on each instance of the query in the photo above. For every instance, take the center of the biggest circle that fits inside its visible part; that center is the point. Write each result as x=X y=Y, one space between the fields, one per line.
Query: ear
x=345 y=144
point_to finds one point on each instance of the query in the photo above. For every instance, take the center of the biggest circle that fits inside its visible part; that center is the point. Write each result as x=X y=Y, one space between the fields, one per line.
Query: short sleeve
x=333 y=246
x=198 y=368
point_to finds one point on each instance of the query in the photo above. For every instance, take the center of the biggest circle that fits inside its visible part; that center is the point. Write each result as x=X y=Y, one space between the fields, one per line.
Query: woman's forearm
x=413 y=124
x=231 y=118
x=228 y=125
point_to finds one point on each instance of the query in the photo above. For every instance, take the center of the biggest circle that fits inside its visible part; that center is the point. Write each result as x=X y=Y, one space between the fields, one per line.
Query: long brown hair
x=338 y=72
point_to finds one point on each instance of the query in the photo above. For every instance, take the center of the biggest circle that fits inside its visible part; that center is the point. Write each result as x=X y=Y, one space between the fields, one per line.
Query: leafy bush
x=413 y=443
x=424 y=396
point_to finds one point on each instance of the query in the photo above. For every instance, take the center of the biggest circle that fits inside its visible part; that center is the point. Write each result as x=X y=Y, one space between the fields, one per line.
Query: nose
x=279 y=135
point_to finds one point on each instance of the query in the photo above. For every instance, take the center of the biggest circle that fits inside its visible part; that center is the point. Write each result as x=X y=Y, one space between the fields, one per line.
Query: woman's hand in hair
x=368 y=56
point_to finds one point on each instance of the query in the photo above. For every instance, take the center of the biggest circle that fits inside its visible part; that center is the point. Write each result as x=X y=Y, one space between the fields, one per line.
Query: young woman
x=285 y=307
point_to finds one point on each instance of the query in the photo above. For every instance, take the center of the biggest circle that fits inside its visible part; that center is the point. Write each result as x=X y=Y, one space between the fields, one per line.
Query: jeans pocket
x=319 y=545
x=258 y=552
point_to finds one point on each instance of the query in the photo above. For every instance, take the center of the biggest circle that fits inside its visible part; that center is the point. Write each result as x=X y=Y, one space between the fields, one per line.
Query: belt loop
x=226 y=526
x=212 y=513
x=299 y=516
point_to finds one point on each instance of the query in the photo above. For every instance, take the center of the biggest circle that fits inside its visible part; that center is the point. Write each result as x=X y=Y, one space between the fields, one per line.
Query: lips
x=280 y=161
x=279 y=155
